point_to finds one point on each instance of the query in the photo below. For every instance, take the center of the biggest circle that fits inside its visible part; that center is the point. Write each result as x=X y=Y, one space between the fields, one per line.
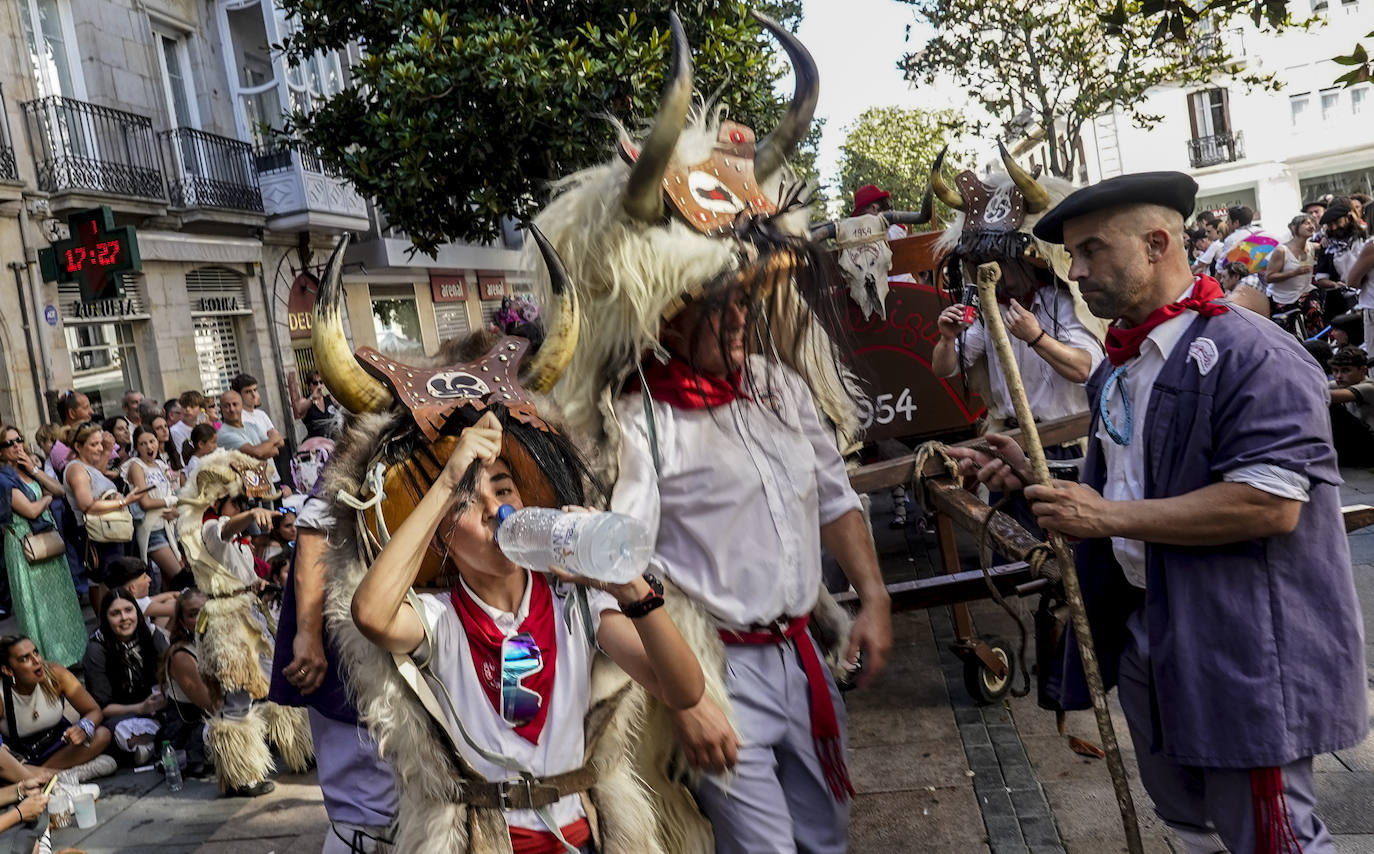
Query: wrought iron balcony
x=298 y=191
x=81 y=146
x=211 y=171
x=9 y=169
x=1214 y=45
x=1215 y=149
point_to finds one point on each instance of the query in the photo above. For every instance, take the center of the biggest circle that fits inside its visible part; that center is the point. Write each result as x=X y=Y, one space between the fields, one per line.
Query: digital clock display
x=105 y=253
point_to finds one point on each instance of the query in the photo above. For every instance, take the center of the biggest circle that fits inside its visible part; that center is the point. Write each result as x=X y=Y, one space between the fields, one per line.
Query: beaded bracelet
x=1037 y=339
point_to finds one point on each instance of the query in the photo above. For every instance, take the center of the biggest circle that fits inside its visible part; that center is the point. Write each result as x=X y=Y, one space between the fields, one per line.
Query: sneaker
x=252 y=791
x=101 y=766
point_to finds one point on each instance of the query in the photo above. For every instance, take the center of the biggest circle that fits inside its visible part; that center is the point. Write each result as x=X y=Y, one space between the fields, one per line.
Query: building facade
x=1269 y=150
x=163 y=111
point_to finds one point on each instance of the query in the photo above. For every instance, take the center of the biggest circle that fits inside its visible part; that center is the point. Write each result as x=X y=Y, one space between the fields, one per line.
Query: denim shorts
x=157 y=539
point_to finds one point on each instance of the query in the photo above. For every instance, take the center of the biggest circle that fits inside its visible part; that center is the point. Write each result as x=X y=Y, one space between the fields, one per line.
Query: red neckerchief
x=1124 y=344
x=677 y=384
x=526 y=841
x=485 y=639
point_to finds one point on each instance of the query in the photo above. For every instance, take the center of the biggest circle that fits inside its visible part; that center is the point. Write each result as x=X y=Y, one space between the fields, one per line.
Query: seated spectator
x=191 y=403
x=1243 y=288
x=189 y=702
x=282 y=538
x=155 y=513
x=318 y=410
x=132 y=575
x=1352 y=408
x=49 y=718
x=1321 y=351
x=42 y=591
x=120 y=668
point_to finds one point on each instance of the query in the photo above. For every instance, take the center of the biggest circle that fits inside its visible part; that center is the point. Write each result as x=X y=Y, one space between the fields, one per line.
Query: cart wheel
x=982 y=685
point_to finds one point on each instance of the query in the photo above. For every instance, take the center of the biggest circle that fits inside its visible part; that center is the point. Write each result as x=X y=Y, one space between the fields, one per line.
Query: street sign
x=95 y=256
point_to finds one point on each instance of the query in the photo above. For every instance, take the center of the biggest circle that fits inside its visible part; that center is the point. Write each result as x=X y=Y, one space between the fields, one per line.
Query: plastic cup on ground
x=85 y=810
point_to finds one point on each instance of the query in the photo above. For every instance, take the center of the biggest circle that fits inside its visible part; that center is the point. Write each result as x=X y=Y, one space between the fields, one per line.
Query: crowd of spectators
x=88 y=516
x=1315 y=277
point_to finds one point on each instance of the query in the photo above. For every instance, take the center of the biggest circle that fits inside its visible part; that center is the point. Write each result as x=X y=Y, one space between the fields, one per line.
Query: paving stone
x=1004 y=836
x=974 y=735
x=1039 y=829
x=883 y=769
x=945 y=820
x=1029 y=802
x=1345 y=801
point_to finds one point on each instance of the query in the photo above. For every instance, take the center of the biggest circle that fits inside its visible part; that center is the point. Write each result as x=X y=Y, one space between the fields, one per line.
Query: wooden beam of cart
x=890 y=473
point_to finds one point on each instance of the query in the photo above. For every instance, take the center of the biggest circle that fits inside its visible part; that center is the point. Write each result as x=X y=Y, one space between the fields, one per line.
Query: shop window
x=396 y=321
x=104 y=363
x=452 y=321
x=217 y=353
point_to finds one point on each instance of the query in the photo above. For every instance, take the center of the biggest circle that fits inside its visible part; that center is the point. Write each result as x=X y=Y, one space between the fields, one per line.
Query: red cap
x=867 y=195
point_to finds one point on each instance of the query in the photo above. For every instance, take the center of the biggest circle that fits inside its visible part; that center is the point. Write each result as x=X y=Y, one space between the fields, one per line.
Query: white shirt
x=181 y=434
x=236 y=558
x=260 y=417
x=1344 y=263
x=1050 y=395
x=1126 y=464
x=741 y=498
x=561 y=743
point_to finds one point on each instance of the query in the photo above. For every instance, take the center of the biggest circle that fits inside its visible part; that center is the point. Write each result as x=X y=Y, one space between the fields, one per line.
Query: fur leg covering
x=240 y=749
x=289 y=729
x=434 y=827
x=232 y=646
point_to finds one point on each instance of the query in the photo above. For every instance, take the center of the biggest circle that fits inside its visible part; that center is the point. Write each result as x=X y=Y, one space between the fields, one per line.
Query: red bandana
x=485 y=640
x=1124 y=344
x=677 y=384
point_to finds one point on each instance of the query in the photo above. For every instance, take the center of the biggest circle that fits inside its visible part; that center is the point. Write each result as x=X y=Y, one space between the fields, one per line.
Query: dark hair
x=1239 y=269
x=1196 y=234
x=65 y=401
x=242 y=381
x=1240 y=214
x=1350 y=356
x=191 y=398
x=1363 y=198
x=49 y=683
x=201 y=433
x=1321 y=351
x=277 y=563
x=131 y=676
x=138 y=434
x=179 y=636
x=277 y=523
x=1208 y=218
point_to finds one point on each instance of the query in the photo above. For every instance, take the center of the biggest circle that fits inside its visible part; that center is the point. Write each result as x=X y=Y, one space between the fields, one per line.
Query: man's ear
x=1158 y=243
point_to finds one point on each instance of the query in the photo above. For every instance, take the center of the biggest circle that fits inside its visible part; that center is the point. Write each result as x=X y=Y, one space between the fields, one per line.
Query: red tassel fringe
x=1273 y=824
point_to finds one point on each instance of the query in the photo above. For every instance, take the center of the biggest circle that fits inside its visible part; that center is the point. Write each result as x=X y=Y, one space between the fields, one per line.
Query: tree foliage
x=894 y=148
x=1052 y=67
x=462 y=113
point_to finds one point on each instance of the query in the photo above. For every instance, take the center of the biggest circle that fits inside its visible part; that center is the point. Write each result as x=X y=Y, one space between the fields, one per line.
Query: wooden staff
x=988 y=276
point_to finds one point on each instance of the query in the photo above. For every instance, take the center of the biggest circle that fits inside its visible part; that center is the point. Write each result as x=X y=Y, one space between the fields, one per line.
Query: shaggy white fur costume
x=432 y=817
x=234 y=640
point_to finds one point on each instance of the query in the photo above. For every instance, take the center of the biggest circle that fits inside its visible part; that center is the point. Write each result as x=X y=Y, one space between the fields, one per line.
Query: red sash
x=526 y=841
x=1124 y=344
x=485 y=640
x=825 y=726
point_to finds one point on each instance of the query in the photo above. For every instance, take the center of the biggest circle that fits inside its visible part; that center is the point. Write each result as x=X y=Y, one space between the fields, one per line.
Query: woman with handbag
x=44 y=598
x=97 y=505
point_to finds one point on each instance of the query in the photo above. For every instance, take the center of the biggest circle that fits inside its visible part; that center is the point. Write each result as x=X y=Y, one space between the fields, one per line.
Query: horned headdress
x=698 y=205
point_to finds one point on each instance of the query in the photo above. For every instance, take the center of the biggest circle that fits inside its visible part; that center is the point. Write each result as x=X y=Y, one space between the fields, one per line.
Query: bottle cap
x=504 y=512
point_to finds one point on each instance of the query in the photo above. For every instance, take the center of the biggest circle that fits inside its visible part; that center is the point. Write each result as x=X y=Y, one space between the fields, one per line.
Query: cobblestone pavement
x=934 y=772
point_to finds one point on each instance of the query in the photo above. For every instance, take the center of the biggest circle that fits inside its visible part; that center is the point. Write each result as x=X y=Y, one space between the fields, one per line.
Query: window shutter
x=1225 y=111
x=1192 y=113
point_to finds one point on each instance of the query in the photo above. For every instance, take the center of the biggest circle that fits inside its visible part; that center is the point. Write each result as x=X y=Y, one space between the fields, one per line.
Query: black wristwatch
x=654 y=599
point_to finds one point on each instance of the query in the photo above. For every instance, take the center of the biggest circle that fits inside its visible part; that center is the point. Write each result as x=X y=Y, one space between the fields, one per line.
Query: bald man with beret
x=1212 y=553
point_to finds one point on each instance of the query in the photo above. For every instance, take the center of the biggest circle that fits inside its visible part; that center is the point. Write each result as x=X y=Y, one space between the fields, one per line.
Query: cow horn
x=556 y=352
x=920 y=217
x=796 y=122
x=1037 y=198
x=346 y=380
x=945 y=192
x=643 y=198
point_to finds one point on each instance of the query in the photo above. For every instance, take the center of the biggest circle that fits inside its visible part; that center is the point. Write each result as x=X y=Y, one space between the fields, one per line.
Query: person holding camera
x=1054 y=349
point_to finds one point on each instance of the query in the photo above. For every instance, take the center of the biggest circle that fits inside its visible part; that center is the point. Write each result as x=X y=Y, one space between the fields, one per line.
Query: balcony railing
x=279 y=156
x=9 y=169
x=211 y=171
x=1215 y=45
x=1218 y=148
x=82 y=146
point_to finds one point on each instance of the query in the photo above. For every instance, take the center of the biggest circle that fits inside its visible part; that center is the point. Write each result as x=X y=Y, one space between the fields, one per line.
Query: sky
x=856 y=45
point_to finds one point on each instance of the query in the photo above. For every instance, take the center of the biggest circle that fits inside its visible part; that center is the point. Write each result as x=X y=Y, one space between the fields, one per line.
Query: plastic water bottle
x=171 y=769
x=603 y=546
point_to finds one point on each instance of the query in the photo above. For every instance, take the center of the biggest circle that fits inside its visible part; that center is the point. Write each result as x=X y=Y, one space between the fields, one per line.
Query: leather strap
x=527 y=793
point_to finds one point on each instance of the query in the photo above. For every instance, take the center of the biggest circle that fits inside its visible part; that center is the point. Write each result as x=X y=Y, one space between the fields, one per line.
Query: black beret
x=1171 y=189
x=1336 y=210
